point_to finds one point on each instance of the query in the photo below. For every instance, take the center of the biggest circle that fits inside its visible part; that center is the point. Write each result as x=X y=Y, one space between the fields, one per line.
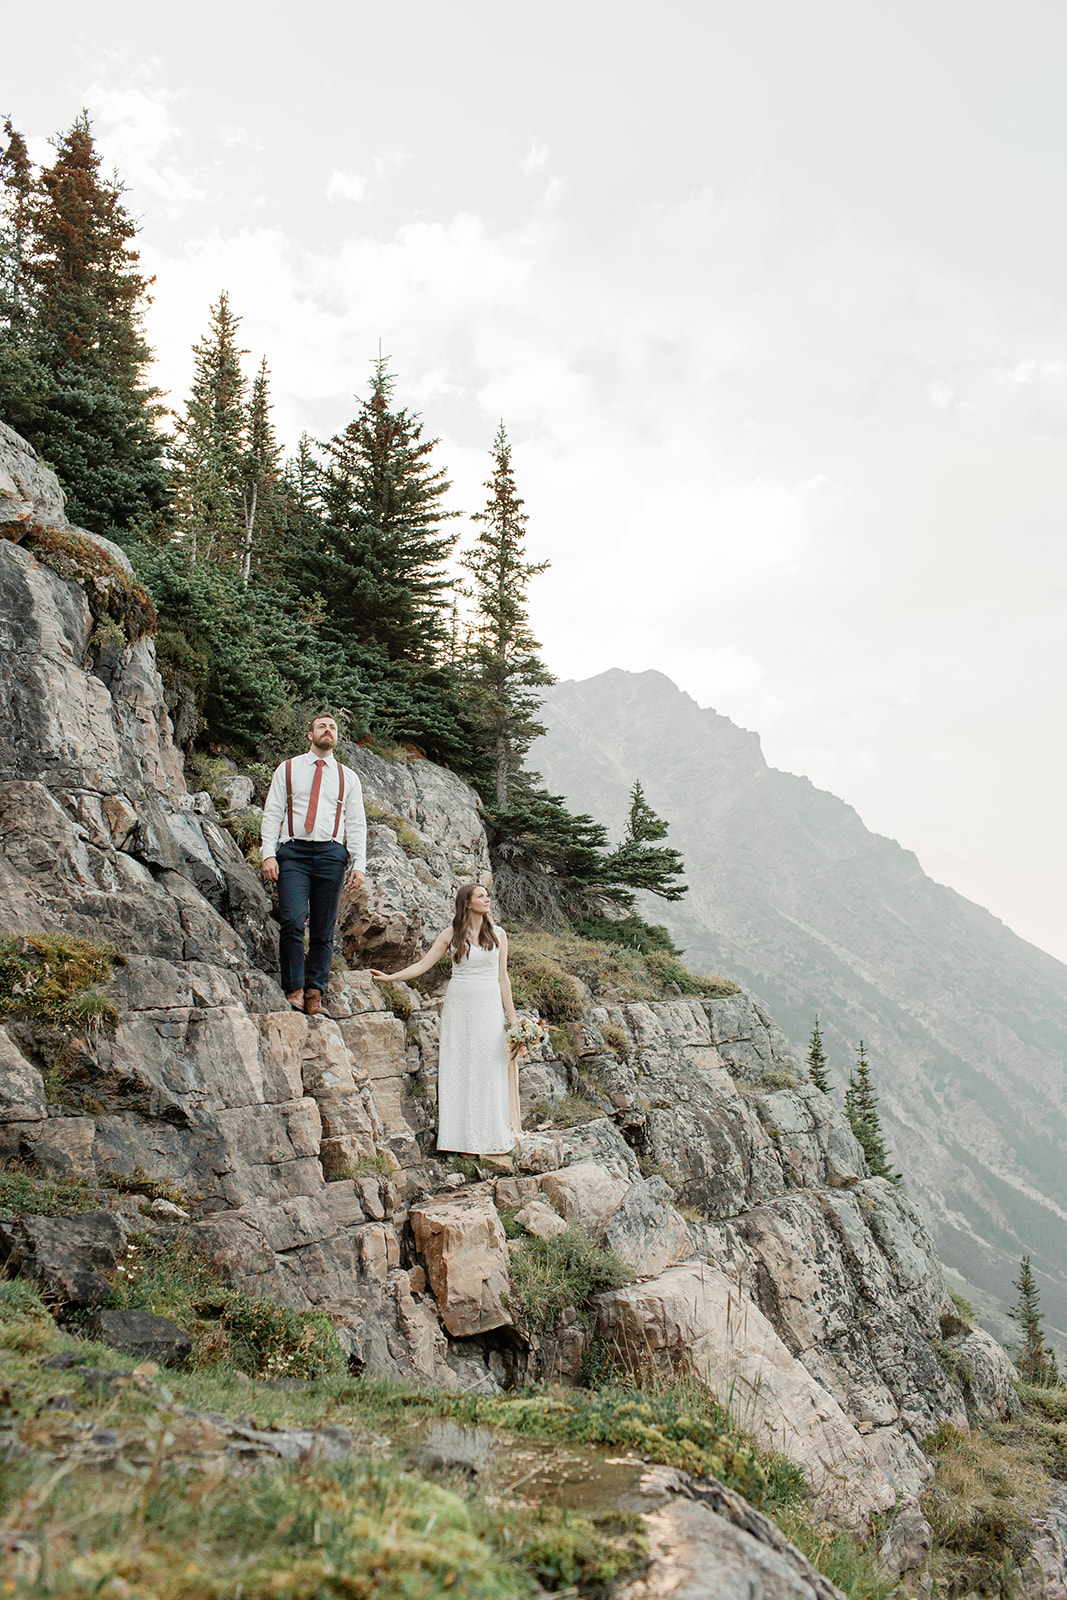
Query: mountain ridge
x=965 y=1021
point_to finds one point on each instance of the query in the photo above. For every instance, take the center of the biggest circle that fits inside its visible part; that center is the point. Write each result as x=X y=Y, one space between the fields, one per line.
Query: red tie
x=313 y=803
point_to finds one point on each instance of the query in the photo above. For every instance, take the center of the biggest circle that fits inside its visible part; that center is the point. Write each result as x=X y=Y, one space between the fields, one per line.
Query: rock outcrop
x=765 y=1258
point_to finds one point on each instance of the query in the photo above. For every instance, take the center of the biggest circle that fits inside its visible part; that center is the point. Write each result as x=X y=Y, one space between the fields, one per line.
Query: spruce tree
x=817 y=1060
x=640 y=863
x=23 y=381
x=259 y=497
x=80 y=301
x=381 y=561
x=1036 y=1361
x=211 y=455
x=861 y=1109
x=503 y=669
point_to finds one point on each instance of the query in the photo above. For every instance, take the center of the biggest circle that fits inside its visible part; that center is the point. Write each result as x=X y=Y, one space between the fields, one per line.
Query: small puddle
x=579 y=1477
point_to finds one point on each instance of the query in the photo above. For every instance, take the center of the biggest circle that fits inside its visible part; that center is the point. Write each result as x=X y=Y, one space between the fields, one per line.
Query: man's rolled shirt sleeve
x=355 y=822
x=273 y=812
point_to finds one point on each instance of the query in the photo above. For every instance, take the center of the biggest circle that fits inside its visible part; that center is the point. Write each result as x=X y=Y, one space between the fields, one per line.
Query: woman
x=477 y=1106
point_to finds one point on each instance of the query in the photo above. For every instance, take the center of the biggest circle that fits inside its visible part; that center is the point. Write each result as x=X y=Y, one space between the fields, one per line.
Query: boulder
x=646 y=1231
x=694 y=1318
x=65 y=1255
x=463 y=1247
x=907 y=1543
x=141 y=1334
x=21 y=1085
x=988 y=1376
x=539 y=1219
x=586 y=1194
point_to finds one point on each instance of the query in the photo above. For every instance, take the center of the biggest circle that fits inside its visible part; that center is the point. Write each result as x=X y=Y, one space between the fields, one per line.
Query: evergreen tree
x=259 y=498
x=640 y=863
x=1036 y=1361
x=381 y=562
x=861 y=1109
x=23 y=381
x=211 y=455
x=74 y=303
x=503 y=667
x=817 y=1061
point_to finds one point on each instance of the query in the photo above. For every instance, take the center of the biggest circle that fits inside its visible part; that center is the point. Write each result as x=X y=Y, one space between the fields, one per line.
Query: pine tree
x=1036 y=1361
x=82 y=300
x=503 y=667
x=640 y=863
x=817 y=1060
x=381 y=563
x=211 y=453
x=861 y=1109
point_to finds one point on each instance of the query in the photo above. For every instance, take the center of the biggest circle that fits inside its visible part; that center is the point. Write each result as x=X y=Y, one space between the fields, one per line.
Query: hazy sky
x=772 y=299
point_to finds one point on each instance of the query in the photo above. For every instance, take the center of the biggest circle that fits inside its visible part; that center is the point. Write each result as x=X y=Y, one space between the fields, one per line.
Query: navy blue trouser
x=309 y=890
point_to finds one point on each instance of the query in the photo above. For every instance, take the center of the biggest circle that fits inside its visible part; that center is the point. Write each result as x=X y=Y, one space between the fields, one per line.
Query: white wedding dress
x=472 y=1076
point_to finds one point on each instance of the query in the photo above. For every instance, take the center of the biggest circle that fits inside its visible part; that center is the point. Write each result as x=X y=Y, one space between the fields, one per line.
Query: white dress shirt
x=353 y=829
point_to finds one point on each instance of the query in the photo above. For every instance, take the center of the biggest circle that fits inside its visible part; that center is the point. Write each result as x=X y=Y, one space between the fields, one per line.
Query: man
x=316 y=805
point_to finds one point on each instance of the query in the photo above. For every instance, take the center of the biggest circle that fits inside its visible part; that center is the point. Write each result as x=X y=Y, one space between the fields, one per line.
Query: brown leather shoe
x=296 y=999
x=313 y=1002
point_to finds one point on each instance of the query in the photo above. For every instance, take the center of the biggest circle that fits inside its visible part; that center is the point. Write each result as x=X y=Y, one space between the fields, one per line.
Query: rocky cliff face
x=965 y=1024
x=764 y=1257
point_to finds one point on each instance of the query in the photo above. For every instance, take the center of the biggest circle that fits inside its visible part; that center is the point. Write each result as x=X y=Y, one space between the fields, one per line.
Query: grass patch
x=546 y=964
x=777 y=1078
x=564 y=1113
x=549 y=1275
x=227 y=1326
x=981 y=1509
x=22 y=1190
x=840 y=1555
x=396 y=999
x=650 y=1167
x=616 y=1039
x=52 y=977
x=138 y=1182
x=376 y=1164
x=412 y=843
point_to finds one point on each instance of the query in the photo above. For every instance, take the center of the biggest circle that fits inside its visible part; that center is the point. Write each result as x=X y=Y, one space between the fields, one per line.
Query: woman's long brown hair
x=460 y=937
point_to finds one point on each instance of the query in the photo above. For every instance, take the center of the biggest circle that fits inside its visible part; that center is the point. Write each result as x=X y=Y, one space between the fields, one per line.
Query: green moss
x=111 y=592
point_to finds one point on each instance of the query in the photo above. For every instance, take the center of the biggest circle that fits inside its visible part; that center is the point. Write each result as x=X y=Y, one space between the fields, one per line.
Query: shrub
x=631 y=932
x=548 y=1275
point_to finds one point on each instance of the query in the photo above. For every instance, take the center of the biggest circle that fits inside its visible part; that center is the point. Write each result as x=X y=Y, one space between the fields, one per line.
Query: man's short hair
x=318 y=718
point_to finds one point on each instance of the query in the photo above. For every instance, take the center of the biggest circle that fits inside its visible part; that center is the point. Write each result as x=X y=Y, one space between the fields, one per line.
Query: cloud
x=137 y=133
x=345 y=186
x=536 y=158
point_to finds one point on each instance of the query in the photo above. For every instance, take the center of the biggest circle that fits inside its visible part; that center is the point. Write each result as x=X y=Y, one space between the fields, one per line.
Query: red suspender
x=289 y=797
x=340 y=797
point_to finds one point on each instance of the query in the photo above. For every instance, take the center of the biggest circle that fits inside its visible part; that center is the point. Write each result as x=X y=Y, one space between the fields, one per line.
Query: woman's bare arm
x=430 y=959
x=505 y=981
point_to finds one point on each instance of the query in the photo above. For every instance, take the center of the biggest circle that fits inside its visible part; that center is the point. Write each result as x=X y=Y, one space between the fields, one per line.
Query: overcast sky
x=772 y=299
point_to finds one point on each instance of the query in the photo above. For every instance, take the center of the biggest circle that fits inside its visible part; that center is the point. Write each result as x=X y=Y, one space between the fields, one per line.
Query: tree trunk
x=503 y=770
x=250 y=523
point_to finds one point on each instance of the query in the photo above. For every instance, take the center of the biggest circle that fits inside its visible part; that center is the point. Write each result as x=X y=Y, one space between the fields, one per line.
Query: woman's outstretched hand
x=379 y=977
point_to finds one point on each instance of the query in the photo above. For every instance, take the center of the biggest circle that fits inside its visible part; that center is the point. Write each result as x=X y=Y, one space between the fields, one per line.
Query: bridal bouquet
x=525 y=1035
